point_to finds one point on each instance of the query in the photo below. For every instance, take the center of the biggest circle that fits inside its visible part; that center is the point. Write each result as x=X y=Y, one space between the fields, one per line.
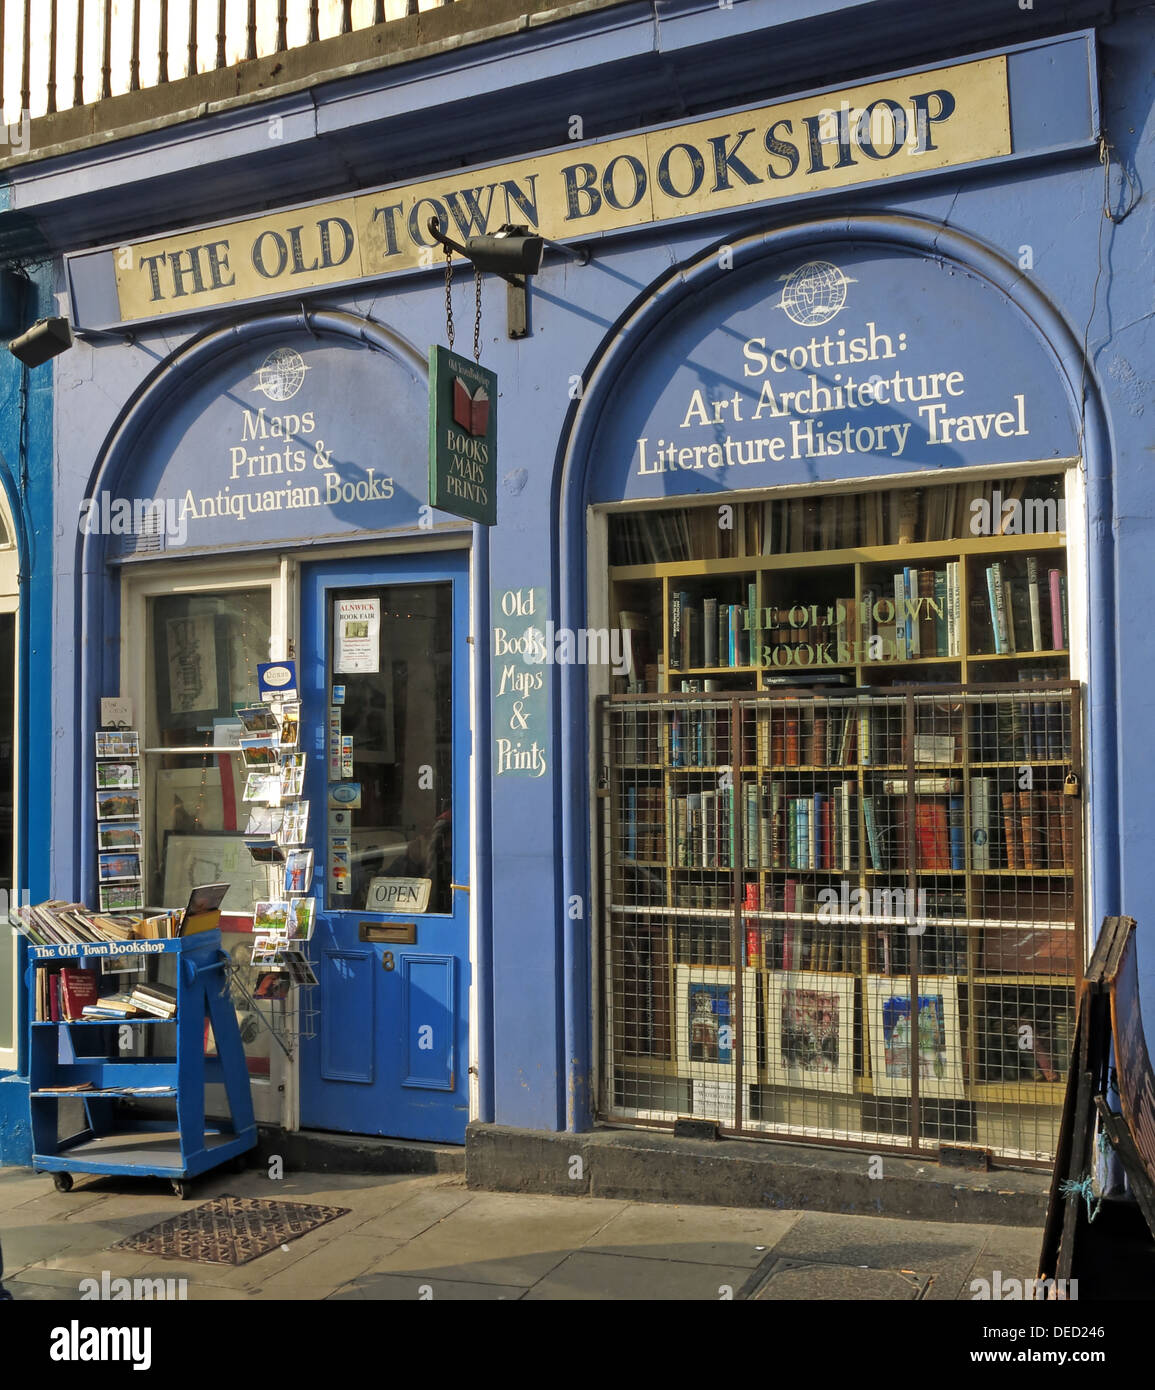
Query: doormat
x=230 y=1230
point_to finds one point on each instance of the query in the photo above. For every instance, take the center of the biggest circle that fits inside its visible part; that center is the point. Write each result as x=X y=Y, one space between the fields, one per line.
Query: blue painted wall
x=26 y=466
x=1089 y=282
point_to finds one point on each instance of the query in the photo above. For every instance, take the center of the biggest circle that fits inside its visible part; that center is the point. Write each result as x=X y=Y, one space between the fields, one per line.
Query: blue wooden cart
x=67 y=1053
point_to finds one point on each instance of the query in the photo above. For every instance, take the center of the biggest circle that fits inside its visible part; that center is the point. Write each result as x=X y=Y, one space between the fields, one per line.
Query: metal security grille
x=853 y=918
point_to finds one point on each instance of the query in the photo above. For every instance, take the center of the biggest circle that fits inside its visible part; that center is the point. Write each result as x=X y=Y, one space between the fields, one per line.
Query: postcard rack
x=67 y=1056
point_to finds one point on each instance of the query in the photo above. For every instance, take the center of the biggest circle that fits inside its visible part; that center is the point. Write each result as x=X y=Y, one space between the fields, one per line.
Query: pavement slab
x=798 y=1281
x=590 y=1274
x=707 y=1235
x=401 y=1288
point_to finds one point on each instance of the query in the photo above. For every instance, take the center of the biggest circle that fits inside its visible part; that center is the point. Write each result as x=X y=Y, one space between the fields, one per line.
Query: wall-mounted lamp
x=514 y=253
x=47 y=338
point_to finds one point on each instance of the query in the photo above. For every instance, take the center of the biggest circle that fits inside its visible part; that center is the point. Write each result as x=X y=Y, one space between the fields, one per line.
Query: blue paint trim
x=638 y=332
x=482 y=882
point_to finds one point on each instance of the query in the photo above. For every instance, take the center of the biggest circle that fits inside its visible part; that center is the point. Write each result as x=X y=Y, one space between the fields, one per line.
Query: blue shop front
x=764 y=763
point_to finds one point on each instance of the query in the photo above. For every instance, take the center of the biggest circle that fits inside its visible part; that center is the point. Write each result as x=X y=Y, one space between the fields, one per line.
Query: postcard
x=292 y=782
x=297 y=964
x=294 y=760
x=298 y=870
x=264 y=787
x=117 y=743
x=265 y=851
x=117 y=804
x=118 y=835
x=113 y=866
x=273 y=984
x=290 y=725
x=257 y=719
x=295 y=825
x=261 y=752
x=302 y=918
x=117 y=775
x=266 y=947
x=265 y=820
x=121 y=897
x=271 y=917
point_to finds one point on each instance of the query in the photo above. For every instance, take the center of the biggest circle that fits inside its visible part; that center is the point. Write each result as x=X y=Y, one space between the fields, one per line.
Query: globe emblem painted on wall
x=281 y=374
x=814 y=293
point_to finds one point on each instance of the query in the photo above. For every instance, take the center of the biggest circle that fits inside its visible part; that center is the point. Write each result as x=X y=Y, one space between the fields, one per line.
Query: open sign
x=398 y=895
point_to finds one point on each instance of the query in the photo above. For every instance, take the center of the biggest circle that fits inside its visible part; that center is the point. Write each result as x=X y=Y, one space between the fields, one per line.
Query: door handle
x=460 y=887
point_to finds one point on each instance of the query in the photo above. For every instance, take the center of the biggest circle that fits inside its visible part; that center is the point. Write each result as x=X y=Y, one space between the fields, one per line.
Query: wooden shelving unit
x=995 y=892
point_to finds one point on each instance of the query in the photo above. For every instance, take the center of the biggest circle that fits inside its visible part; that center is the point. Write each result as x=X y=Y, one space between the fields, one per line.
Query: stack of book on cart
x=56 y=923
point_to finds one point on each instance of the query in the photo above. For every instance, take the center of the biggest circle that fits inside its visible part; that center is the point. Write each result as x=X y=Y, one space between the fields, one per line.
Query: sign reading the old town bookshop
x=462 y=437
x=910 y=124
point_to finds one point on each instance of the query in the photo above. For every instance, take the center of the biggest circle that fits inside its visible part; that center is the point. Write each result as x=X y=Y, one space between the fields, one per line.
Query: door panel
x=385 y=723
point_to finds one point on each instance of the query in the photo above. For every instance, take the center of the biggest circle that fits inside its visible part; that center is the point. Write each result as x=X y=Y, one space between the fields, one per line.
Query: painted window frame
x=10 y=603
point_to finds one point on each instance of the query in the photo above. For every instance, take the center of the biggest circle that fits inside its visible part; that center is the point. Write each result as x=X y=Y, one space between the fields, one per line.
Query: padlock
x=1070 y=785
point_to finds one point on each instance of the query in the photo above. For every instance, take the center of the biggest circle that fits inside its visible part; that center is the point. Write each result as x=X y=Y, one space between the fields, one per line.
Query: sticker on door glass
x=357 y=642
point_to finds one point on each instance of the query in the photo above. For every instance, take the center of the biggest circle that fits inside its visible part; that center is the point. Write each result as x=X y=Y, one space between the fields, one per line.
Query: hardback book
x=1033 y=599
x=980 y=823
x=78 y=987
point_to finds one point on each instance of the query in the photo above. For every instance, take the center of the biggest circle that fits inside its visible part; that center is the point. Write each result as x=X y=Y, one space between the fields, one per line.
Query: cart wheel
x=62 y=1182
x=180 y=1187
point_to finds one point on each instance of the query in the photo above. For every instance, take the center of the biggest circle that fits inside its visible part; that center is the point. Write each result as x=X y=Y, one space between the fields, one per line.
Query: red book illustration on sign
x=471 y=412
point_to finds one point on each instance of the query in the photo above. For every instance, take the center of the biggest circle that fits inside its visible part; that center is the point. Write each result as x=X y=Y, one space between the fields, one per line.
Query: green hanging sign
x=462 y=437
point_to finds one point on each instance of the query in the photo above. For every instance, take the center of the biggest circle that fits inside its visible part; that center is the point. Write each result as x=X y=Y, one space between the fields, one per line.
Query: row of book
x=917 y=614
x=816 y=831
x=1009 y=829
x=56 y=923
x=881 y=517
x=711 y=633
x=1026 y=614
x=72 y=994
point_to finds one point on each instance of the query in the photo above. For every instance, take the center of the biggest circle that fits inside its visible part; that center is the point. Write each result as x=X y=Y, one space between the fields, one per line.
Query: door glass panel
x=202 y=667
x=390 y=730
x=7 y=784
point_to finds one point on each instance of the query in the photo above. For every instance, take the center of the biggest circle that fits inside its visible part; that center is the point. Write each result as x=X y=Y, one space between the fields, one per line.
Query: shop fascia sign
x=902 y=125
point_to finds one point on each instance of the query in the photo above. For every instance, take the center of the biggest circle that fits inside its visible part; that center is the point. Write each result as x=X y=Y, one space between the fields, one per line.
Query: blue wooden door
x=385 y=722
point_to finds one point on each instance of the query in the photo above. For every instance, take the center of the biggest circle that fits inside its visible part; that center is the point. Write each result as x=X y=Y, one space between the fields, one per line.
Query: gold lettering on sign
x=928 y=120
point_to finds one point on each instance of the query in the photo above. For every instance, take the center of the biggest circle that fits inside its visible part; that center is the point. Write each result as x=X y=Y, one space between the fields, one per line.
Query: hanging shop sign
x=894 y=127
x=462 y=437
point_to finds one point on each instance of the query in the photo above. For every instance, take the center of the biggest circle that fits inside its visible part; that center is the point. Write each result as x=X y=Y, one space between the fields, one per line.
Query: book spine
x=900 y=619
x=1010 y=830
x=1066 y=631
x=912 y=601
x=1027 y=824
x=1057 y=643
x=1033 y=599
x=998 y=610
x=710 y=632
x=955 y=819
x=872 y=832
x=941 y=614
x=675 y=650
x=980 y=823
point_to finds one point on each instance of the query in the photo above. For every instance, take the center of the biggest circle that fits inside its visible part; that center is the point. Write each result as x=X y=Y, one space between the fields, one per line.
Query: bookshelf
x=786 y=867
x=67 y=1054
x=865 y=589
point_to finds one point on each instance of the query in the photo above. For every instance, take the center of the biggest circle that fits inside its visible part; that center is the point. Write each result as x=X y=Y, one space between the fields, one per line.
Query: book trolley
x=113 y=1139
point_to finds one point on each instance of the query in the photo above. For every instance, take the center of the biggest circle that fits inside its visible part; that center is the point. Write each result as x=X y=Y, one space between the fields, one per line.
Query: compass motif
x=281 y=374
